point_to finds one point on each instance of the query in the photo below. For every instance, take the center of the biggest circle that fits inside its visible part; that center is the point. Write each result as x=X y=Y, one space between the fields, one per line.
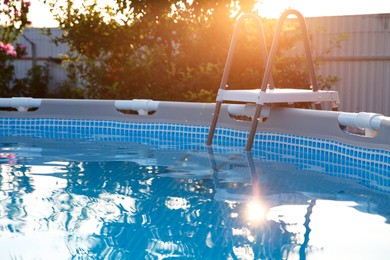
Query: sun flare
x=271 y=8
x=41 y=17
x=255 y=211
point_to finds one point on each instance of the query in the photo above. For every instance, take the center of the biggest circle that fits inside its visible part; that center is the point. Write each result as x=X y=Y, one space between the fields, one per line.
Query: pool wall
x=309 y=139
x=311 y=123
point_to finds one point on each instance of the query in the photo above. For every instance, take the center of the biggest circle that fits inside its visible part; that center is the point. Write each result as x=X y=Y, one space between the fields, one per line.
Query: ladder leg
x=255 y=122
x=318 y=106
x=335 y=106
x=214 y=122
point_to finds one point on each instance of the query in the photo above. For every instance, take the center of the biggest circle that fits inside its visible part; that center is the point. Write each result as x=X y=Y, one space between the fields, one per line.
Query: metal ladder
x=228 y=64
x=273 y=95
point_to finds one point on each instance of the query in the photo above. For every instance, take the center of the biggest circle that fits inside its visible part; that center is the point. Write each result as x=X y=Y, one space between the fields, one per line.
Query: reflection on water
x=128 y=201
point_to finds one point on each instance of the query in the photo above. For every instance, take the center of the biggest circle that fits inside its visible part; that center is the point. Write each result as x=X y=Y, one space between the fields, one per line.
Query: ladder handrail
x=228 y=65
x=267 y=77
x=268 y=68
x=233 y=44
x=307 y=47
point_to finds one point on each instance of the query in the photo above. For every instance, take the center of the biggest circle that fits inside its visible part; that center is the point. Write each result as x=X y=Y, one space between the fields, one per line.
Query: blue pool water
x=95 y=195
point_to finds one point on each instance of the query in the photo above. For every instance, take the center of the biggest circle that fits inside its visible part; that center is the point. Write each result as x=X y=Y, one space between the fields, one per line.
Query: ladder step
x=279 y=95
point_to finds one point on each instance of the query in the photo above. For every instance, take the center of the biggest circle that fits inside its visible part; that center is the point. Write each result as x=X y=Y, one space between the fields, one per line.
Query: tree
x=13 y=17
x=166 y=50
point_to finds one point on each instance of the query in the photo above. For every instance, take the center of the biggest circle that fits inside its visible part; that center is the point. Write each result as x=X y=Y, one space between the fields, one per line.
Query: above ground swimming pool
x=89 y=179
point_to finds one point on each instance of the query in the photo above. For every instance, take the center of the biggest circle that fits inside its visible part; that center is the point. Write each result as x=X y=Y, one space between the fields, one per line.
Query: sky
x=40 y=14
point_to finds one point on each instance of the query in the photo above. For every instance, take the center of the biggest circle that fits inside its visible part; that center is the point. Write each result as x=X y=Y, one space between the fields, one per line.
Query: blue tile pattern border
x=371 y=167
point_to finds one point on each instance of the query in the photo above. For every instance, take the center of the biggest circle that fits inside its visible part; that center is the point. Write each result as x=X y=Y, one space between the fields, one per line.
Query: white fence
x=41 y=50
x=362 y=62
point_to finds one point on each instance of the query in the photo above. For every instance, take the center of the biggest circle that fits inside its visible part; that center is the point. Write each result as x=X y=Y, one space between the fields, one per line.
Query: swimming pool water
x=88 y=199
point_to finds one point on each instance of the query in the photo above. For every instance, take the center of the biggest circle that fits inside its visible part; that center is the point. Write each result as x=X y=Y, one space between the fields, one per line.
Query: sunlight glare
x=271 y=9
x=313 y=8
x=40 y=13
x=176 y=203
x=255 y=211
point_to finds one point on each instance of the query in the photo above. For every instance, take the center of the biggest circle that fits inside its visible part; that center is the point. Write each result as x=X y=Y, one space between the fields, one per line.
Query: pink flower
x=22 y=46
x=8 y=49
x=21 y=50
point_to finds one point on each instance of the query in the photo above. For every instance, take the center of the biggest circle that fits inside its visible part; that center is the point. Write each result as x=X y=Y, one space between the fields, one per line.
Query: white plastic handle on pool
x=363 y=120
x=20 y=103
x=142 y=106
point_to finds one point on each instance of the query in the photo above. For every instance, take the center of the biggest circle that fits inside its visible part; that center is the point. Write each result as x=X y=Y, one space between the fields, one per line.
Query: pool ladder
x=267 y=92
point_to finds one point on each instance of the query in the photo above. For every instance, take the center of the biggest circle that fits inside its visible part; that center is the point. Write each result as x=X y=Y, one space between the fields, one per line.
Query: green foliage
x=33 y=85
x=13 y=17
x=167 y=50
x=327 y=82
x=204 y=95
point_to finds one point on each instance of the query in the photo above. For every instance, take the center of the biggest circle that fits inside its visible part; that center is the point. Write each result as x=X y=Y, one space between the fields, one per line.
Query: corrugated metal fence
x=362 y=63
x=41 y=51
